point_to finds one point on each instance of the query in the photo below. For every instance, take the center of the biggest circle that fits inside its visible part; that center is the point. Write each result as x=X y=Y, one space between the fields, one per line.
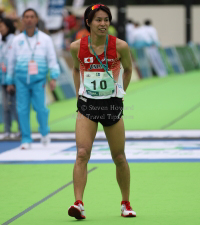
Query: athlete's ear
x=87 y=22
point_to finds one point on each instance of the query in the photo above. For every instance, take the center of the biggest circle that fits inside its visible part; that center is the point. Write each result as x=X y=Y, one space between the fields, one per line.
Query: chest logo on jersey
x=109 y=60
x=95 y=66
x=21 y=43
x=88 y=60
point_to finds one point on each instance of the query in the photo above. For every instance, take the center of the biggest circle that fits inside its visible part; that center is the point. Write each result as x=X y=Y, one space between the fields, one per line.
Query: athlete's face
x=30 y=19
x=100 y=23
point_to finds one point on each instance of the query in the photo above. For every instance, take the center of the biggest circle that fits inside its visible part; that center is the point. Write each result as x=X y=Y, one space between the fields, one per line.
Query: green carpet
x=161 y=193
x=150 y=104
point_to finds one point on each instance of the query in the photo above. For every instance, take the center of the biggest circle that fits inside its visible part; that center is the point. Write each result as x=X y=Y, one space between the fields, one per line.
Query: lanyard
x=105 y=67
x=32 y=50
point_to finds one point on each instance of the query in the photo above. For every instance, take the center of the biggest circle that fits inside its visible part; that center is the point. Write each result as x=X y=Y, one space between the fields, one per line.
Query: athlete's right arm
x=74 y=49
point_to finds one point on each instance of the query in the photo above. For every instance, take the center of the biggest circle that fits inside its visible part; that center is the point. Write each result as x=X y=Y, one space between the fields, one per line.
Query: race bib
x=3 y=67
x=98 y=83
x=32 y=68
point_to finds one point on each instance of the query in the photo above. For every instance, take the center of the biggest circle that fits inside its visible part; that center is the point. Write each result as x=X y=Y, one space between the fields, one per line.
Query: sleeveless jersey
x=89 y=63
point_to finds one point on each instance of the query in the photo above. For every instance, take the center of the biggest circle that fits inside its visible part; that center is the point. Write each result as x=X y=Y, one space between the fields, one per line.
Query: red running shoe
x=126 y=210
x=77 y=210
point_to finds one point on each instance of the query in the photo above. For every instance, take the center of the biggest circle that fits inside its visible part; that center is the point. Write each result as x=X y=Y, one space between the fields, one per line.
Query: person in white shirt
x=140 y=38
x=152 y=33
x=7 y=31
x=31 y=58
x=130 y=28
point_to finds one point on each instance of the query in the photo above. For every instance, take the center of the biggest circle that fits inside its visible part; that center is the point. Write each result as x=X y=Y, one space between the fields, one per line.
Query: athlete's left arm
x=126 y=61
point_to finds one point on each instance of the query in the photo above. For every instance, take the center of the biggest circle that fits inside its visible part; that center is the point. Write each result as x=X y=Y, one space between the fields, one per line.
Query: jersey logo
x=109 y=60
x=21 y=43
x=95 y=66
x=88 y=60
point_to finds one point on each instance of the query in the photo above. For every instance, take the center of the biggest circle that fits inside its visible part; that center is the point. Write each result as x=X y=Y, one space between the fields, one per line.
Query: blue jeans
x=9 y=109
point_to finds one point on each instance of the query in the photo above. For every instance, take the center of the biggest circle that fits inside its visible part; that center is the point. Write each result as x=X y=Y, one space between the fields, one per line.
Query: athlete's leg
x=116 y=139
x=85 y=134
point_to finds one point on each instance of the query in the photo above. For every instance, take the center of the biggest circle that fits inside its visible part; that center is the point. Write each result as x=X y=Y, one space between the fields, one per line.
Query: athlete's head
x=97 y=18
x=30 y=18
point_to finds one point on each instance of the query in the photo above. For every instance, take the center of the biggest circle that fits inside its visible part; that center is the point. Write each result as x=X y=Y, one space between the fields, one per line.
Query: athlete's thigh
x=116 y=137
x=85 y=133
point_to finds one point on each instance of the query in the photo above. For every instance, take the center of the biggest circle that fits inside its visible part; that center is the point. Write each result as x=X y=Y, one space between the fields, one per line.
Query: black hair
x=89 y=14
x=130 y=21
x=9 y=24
x=137 y=24
x=30 y=9
x=147 y=22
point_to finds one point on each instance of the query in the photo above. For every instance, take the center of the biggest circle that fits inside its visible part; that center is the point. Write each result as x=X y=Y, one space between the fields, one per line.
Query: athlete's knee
x=119 y=159
x=82 y=155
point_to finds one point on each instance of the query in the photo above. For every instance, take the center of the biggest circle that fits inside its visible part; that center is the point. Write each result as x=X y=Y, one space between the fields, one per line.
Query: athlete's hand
x=10 y=88
x=52 y=84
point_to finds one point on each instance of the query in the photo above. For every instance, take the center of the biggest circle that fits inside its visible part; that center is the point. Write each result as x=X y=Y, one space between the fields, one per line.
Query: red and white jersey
x=88 y=62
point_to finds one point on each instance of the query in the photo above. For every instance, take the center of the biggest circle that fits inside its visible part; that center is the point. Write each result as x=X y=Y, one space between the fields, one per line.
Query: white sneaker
x=25 y=146
x=6 y=135
x=126 y=210
x=77 y=210
x=45 y=140
x=16 y=135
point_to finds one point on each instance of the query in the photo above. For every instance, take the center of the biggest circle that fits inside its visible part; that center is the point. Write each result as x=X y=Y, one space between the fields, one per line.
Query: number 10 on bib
x=98 y=83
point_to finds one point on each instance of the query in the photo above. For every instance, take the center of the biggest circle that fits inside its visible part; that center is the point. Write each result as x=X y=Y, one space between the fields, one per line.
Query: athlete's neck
x=97 y=41
x=30 y=31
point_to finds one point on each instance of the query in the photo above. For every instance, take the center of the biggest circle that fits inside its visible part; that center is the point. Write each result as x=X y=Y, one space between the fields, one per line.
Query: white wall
x=196 y=24
x=168 y=20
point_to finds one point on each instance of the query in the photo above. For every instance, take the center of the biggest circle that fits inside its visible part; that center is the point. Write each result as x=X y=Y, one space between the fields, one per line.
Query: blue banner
x=55 y=7
x=156 y=61
x=65 y=80
x=143 y=63
x=174 y=60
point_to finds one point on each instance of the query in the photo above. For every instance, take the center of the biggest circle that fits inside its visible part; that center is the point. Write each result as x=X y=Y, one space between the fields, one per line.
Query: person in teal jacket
x=31 y=57
x=7 y=31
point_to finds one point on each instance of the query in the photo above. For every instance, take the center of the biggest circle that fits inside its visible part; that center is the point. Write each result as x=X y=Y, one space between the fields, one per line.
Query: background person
x=151 y=32
x=129 y=32
x=7 y=31
x=97 y=61
x=31 y=56
x=141 y=38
